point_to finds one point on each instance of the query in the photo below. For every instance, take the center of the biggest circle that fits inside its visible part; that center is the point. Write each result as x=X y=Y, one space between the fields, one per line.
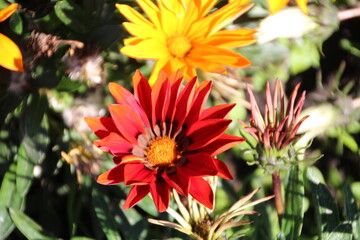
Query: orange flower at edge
x=276 y=5
x=162 y=139
x=184 y=35
x=11 y=57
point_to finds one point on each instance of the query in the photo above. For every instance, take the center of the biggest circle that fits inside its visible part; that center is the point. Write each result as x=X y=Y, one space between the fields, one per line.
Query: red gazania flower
x=162 y=138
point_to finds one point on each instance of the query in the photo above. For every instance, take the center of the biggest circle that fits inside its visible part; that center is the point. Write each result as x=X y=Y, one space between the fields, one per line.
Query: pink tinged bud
x=255 y=112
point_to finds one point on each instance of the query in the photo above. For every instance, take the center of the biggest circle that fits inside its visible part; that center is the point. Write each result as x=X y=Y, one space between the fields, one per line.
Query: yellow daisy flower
x=10 y=52
x=276 y=5
x=181 y=34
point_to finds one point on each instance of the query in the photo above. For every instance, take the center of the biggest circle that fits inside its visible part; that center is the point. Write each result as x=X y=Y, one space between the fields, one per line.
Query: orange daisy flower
x=10 y=52
x=162 y=139
x=183 y=35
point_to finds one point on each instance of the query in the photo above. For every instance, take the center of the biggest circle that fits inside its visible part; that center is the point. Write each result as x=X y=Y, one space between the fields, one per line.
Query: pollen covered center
x=163 y=152
x=178 y=46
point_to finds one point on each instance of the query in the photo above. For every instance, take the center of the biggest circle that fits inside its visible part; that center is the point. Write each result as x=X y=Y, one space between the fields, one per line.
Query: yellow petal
x=146 y=49
x=8 y=11
x=132 y=15
x=220 y=18
x=132 y=40
x=174 y=6
x=276 y=5
x=231 y=38
x=11 y=57
x=159 y=65
x=170 y=22
x=142 y=31
x=205 y=6
x=302 y=4
x=151 y=10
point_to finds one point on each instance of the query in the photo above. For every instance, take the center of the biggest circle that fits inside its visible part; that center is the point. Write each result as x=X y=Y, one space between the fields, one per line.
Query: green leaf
x=351 y=46
x=351 y=211
x=294 y=204
x=27 y=226
x=71 y=15
x=349 y=141
x=81 y=238
x=6 y=224
x=67 y=85
x=24 y=171
x=356 y=226
x=36 y=145
x=34 y=113
x=4 y=155
x=341 y=232
x=280 y=236
x=327 y=215
x=15 y=23
x=304 y=54
x=35 y=141
x=350 y=204
x=249 y=138
x=8 y=197
x=104 y=216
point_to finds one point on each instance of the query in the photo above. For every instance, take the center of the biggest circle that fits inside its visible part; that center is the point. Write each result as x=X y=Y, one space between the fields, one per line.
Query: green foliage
x=327 y=216
x=9 y=197
x=27 y=226
x=292 y=221
x=104 y=216
x=41 y=196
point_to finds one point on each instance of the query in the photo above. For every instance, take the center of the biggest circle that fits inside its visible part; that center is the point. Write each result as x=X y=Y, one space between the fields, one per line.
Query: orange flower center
x=178 y=46
x=163 y=152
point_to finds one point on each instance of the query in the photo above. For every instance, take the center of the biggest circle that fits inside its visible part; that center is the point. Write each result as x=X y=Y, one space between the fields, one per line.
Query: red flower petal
x=101 y=126
x=112 y=176
x=198 y=165
x=124 y=97
x=175 y=80
x=184 y=102
x=138 y=174
x=127 y=121
x=202 y=192
x=136 y=193
x=223 y=170
x=114 y=144
x=197 y=106
x=223 y=143
x=178 y=181
x=160 y=192
x=204 y=132
x=219 y=111
x=159 y=98
x=142 y=92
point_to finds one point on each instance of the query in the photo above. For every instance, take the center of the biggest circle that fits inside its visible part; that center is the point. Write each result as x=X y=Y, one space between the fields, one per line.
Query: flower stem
x=279 y=204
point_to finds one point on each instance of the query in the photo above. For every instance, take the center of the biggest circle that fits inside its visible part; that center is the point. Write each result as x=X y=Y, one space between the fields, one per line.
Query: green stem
x=279 y=204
